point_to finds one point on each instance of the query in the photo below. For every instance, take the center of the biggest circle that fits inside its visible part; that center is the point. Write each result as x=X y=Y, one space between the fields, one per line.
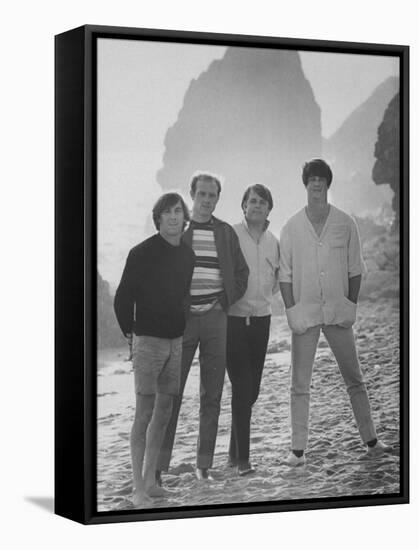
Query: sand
x=336 y=463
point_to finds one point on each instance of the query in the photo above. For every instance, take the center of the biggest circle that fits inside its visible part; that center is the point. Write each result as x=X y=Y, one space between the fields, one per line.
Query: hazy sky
x=341 y=82
x=141 y=86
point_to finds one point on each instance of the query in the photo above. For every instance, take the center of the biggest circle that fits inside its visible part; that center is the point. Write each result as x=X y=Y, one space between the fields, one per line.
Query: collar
x=246 y=225
x=210 y=222
x=215 y=221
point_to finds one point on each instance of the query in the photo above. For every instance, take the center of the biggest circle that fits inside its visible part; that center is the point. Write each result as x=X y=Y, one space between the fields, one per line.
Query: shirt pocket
x=346 y=313
x=338 y=236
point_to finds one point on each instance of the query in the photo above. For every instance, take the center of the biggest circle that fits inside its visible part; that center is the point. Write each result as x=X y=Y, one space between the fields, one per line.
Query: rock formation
x=350 y=151
x=252 y=118
x=108 y=332
x=387 y=152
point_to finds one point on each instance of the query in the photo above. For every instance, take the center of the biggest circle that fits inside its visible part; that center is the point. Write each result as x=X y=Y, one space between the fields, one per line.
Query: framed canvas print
x=231 y=274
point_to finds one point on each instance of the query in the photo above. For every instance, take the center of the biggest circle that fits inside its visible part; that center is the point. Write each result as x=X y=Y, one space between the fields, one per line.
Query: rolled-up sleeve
x=275 y=288
x=356 y=264
x=285 y=256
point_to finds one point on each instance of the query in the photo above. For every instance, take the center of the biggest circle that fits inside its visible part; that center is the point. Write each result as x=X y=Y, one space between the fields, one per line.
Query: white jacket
x=263 y=260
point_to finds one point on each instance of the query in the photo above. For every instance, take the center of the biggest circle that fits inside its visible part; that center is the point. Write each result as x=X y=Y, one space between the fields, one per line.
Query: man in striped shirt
x=219 y=280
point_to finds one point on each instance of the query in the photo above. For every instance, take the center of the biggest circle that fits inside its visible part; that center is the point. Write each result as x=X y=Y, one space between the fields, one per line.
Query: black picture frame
x=76 y=282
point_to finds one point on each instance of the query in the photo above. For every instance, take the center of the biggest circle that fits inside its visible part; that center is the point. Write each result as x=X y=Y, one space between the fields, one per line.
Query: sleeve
x=275 y=288
x=125 y=298
x=285 y=256
x=356 y=264
x=187 y=296
x=241 y=270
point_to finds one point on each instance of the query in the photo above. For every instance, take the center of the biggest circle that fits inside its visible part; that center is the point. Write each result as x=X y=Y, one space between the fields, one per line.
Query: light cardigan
x=263 y=260
x=319 y=267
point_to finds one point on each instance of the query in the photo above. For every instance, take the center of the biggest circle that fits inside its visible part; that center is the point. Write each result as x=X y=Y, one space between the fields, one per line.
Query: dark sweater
x=152 y=296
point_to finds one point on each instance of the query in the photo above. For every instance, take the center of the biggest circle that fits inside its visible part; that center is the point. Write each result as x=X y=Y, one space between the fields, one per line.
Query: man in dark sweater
x=219 y=280
x=150 y=305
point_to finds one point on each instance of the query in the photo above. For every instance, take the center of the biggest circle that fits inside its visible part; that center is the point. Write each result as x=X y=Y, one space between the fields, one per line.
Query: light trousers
x=342 y=344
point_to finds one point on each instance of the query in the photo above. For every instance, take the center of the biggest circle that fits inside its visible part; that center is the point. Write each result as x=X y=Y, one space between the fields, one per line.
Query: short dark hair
x=167 y=201
x=204 y=176
x=317 y=167
x=260 y=190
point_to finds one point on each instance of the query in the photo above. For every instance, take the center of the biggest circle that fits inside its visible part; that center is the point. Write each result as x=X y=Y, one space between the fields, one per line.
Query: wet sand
x=336 y=465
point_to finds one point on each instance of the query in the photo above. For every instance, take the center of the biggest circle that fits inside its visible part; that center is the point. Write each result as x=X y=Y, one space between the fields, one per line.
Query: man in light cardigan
x=249 y=320
x=321 y=268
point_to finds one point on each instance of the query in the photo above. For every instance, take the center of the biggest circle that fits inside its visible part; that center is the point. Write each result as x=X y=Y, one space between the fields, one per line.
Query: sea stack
x=252 y=118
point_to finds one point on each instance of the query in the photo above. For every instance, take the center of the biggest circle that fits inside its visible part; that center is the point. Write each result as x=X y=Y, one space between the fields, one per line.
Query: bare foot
x=155 y=491
x=140 y=498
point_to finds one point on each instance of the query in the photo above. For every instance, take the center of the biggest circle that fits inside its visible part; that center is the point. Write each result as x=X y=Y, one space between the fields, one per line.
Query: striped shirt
x=207 y=282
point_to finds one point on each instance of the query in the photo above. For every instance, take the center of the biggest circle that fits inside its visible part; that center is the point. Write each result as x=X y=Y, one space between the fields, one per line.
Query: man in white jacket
x=249 y=319
x=321 y=268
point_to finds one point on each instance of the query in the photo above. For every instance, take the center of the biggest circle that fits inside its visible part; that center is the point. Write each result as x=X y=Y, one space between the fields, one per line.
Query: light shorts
x=157 y=364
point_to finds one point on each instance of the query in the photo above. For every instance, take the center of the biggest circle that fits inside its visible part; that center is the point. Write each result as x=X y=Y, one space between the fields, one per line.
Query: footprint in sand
x=172 y=481
x=182 y=469
x=121 y=371
x=124 y=490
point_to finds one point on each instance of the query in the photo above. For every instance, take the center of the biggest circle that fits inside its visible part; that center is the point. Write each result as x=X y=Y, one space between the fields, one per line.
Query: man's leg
x=155 y=435
x=259 y=338
x=239 y=371
x=232 y=447
x=212 y=360
x=190 y=343
x=303 y=351
x=342 y=343
x=148 y=357
x=143 y=414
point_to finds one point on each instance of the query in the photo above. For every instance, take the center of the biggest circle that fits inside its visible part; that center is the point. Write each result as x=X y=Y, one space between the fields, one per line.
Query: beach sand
x=336 y=465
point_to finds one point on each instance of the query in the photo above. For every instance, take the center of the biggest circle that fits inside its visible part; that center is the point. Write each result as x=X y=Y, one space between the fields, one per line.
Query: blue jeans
x=208 y=331
x=342 y=344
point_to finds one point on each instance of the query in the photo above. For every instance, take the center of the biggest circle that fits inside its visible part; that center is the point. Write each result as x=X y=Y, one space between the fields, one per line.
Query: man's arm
x=356 y=265
x=275 y=288
x=241 y=270
x=287 y=294
x=125 y=299
x=285 y=268
x=354 y=288
x=187 y=295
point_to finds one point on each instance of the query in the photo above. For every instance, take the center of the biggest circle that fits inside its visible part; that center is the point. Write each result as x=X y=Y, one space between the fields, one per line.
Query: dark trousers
x=246 y=350
x=207 y=331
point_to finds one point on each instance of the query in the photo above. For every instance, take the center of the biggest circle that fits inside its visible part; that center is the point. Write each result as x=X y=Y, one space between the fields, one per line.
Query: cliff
x=251 y=118
x=108 y=332
x=387 y=153
x=350 y=151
